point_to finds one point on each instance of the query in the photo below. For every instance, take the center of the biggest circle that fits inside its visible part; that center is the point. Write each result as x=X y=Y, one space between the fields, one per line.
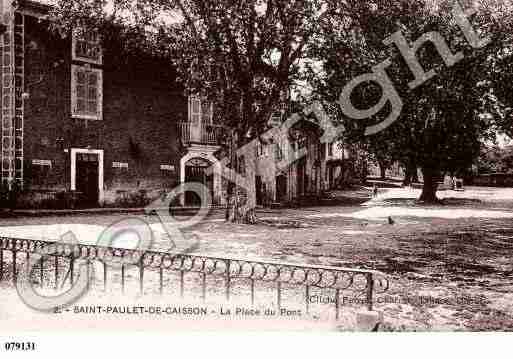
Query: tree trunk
x=242 y=196
x=430 y=186
x=407 y=176
x=230 y=193
x=411 y=175
x=382 y=171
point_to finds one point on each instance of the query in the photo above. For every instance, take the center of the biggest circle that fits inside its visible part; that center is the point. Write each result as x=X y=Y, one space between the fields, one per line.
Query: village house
x=283 y=176
x=84 y=123
x=78 y=117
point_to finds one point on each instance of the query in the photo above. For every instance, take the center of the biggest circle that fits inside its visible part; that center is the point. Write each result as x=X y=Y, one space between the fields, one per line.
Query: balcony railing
x=201 y=134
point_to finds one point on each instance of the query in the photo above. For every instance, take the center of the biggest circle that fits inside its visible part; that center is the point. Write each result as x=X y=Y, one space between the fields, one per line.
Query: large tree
x=445 y=119
x=245 y=56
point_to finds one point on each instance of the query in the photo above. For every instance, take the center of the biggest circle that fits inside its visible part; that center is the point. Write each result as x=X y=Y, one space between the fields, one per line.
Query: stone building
x=86 y=123
x=301 y=167
x=84 y=118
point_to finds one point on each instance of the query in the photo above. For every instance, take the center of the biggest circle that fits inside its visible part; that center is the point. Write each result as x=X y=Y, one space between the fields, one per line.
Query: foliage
x=495 y=159
x=444 y=121
x=243 y=55
x=248 y=56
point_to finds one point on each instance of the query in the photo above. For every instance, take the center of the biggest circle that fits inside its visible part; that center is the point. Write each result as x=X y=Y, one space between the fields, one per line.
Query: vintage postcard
x=321 y=166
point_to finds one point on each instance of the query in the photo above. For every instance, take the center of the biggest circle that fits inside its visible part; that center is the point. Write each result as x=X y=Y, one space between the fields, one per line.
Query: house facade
x=86 y=122
x=302 y=166
x=83 y=118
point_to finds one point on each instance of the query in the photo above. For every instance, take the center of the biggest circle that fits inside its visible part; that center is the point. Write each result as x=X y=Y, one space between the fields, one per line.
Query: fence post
x=71 y=269
x=369 y=320
x=337 y=304
x=1 y=264
x=56 y=271
x=228 y=264
x=89 y=264
x=104 y=276
x=14 y=259
x=252 y=291
x=181 y=283
x=203 y=286
x=161 y=280
x=123 y=273
x=307 y=302
x=141 y=275
x=370 y=290
x=41 y=272
x=278 y=288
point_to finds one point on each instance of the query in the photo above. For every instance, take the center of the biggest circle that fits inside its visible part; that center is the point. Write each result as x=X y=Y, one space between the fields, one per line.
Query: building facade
x=78 y=117
x=85 y=122
x=301 y=166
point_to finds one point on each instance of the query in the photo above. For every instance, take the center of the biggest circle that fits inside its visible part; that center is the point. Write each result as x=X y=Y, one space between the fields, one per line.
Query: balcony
x=203 y=134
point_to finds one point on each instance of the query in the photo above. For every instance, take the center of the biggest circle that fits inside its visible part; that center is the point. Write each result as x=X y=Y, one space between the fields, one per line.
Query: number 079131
x=20 y=346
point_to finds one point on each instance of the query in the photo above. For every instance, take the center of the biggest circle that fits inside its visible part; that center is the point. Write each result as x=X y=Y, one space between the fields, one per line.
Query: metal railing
x=185 y=131
x=203 y=134
x=210 y=134
x=232 y=271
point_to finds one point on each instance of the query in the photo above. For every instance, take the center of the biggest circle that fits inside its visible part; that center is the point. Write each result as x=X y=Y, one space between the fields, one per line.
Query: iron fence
x=61 y=259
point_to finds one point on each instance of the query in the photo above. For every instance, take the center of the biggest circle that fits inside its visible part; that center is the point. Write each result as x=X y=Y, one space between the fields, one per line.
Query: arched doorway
x=196 y=171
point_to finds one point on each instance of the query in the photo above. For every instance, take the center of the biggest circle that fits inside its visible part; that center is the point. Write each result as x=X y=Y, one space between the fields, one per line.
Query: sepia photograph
x=307 y=166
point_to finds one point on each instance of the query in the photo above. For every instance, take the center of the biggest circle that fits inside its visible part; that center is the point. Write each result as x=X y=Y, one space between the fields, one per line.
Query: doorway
x=87 y=176
x=196 y=171
x=87 y=181
x=281 y=188
x=259 y=191
x=302 y=180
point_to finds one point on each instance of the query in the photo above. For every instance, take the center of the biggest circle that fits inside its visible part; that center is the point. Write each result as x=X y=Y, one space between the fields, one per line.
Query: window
x=206 y=112
x=86 y=47
x=278 y=152
x=200 y=111
x=40 y=172
x=330 y=149
x=260 y=149
x=86 y=92
x=321 y=151
x=194 y=110
x=242 y=166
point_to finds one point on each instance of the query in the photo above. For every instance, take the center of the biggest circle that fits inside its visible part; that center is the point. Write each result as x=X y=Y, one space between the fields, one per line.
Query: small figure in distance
x=374 y=191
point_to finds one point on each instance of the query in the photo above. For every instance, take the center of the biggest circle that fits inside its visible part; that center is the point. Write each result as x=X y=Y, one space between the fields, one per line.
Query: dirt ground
x=450 y=266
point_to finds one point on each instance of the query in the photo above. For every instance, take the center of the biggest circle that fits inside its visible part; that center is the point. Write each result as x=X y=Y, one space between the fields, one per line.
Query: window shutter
x=92 y=95
x=195 y=110
x=80 y=91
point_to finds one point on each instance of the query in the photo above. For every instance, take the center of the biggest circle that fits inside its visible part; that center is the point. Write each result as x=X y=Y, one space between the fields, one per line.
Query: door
x=87 y=179
x=259 y=190
x=200 y=117
x=301 y=177
x=195 y=119
x=281 y=188
x=196 y=171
